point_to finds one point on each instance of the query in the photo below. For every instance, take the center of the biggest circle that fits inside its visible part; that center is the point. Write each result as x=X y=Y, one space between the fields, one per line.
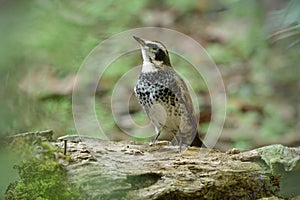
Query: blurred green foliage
x=7 y=172
x=52 y=34
x=59 y=35
x=268 y=66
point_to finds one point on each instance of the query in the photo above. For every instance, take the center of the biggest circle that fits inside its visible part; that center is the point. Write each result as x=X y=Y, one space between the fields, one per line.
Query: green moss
x=41 y=175
x=282 y=165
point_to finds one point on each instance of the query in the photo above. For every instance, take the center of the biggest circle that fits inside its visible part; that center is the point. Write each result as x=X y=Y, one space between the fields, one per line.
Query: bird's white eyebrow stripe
x=158 y=44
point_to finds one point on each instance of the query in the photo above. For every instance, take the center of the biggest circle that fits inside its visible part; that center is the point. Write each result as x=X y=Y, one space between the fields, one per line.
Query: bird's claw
x=159 y=143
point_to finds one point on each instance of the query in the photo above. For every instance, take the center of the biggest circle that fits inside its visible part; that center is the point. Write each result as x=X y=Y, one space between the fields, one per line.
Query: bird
x=165 y=98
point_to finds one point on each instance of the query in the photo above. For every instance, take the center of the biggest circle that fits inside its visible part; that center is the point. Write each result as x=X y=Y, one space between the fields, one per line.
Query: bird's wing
x=185 y=98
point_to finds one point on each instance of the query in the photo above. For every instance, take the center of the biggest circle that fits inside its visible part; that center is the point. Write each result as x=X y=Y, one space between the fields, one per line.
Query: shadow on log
x=132 y=170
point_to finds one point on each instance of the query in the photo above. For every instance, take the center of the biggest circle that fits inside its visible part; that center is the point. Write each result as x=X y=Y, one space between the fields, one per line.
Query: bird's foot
x=183 y=148
x=159 y=143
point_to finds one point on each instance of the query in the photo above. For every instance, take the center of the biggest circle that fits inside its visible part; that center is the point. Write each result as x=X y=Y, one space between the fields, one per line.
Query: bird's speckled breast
x=156 y=88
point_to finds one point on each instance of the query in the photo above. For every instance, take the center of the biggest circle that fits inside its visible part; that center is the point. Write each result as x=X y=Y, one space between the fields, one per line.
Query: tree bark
x=135 y=170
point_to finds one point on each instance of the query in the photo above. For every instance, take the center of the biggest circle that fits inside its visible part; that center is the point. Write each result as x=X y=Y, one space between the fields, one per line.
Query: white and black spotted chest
x=157 y=88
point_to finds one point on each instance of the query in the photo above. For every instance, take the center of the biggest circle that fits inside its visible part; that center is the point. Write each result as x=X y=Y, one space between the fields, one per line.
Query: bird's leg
x=153 y=142
x=157 y=134
x=180 y=143
x=175 y=139
x=156 y=142
x=180 y=139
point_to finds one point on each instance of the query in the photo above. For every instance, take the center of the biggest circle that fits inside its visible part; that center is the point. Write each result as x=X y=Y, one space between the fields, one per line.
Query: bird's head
x=154 y=52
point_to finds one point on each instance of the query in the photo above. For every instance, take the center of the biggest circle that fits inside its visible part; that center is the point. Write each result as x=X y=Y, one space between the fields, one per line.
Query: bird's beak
x=139 y=40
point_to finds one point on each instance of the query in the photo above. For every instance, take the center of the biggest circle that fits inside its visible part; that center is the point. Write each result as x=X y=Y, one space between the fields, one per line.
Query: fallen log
x=134 y=170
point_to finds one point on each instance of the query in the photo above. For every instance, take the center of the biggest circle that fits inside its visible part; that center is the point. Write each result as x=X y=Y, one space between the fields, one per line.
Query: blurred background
x=255 y=44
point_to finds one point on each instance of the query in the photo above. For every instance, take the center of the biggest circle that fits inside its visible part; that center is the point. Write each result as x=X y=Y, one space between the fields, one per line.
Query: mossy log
x=133 y=170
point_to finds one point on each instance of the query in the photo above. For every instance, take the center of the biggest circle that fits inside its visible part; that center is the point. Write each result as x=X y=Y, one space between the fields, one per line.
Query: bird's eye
x=155 y=48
